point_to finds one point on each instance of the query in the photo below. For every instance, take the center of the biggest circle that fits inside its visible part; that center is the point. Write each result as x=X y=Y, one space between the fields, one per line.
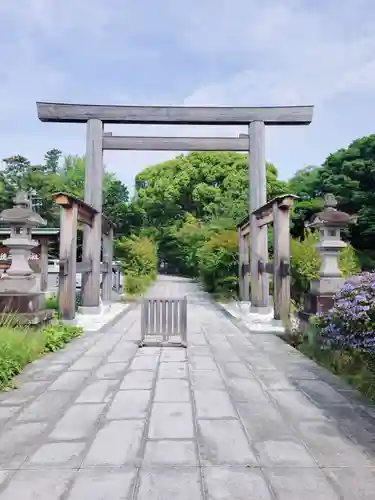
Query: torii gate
x=96 y=116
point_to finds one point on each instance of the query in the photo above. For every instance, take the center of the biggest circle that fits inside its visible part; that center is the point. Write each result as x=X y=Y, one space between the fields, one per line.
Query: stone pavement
x=235 y=416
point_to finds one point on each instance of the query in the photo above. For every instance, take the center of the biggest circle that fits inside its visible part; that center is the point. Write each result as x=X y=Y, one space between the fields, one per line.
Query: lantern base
x=315 y=303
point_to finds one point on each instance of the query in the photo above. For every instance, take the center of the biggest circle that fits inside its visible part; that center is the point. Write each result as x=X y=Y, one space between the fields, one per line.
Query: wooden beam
x=282 y=201
x=68 y=254
x=267 y=219
x=92 y=237
x=258 y=196
x=281 y=256
x=175 y=143
x=257 y=291
x=83 y=267
x=85 y=211
x=178 y=115
x=107 y=258
x=43 y=264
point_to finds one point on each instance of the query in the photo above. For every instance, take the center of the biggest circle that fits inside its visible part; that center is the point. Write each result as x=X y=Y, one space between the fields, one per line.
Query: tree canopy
x=58 y=173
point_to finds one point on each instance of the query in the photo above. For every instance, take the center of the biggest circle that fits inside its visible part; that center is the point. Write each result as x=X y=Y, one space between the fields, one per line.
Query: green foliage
x=59 y=173
x=138 y=258
x=136 y=285
x=52 y=303
x=355 y=368
x=218 y=263
x=58 y=334
x=306 y=261
x=205 y=185
x=20 y=346
x=349 y=174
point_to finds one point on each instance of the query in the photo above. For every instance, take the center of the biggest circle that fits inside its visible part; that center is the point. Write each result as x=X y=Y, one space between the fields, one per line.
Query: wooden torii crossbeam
x=275 y=212
x=96 y=116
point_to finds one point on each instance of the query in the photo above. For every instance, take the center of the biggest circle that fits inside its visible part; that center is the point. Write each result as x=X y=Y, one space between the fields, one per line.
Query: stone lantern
x=330 y=222
x=19 y=287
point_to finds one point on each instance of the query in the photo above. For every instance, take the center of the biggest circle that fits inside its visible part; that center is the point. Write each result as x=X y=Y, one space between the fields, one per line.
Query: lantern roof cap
x=22 y=212
x=330 y=216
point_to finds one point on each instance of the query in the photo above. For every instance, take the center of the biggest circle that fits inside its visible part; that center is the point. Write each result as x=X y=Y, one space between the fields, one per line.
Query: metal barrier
x=164 y=321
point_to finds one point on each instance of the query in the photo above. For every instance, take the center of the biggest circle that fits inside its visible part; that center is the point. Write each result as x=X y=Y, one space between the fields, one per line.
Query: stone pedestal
x=20 y=293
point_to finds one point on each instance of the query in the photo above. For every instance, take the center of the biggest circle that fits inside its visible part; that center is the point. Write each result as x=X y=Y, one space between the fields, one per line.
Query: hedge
x=138 y=259
x=218 y=263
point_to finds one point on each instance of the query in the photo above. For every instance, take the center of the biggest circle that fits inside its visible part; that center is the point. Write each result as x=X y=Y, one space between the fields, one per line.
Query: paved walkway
x=232 y=417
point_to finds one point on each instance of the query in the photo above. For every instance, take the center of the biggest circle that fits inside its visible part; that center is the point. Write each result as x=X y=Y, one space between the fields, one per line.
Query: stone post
x=330 y=222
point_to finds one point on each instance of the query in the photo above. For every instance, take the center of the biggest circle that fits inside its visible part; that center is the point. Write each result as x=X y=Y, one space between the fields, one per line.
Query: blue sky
x=200 y=52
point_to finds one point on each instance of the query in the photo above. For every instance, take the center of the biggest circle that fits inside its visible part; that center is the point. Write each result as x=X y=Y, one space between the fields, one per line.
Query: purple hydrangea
x=350 y=324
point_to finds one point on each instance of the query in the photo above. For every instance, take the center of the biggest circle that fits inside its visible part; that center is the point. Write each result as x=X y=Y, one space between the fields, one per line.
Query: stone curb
x=116 y=318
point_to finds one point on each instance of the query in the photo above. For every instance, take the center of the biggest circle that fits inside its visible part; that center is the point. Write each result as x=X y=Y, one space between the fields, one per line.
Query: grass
x=52 y=302
x=355 y=368
x=20 y=346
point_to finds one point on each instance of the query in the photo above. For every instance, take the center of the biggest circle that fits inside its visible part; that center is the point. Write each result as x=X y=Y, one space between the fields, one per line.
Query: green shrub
x=306 y=261
x=218 y=263
x=189 y=239
x=136 y=285
x=52 y=302
x=137 y=255
x=20 y=346
x=58 y=334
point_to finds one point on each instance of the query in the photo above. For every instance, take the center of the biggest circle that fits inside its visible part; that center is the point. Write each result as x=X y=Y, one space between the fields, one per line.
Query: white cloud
x=252 y=53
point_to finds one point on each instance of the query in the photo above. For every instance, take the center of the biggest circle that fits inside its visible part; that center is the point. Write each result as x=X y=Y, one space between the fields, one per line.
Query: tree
x=205 y=185
x=350 y=175
x=189 y=199
x=306 y=185
x=51 y=160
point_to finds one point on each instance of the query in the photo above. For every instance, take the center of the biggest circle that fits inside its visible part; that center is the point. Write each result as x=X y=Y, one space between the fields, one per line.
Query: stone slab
x=175 y=390
x=57 y=455
x=213 y=404
x=100 y=391
x=202 y=362
x=86 y=363
x=264 y=421
x=103 y=484
x=32 y=485
x=176 y=369
x=235 y=483
x=283 y=454
x=138 y=379
x=224 y=442
x=129 y=405
x=144 y=363
x=117 y=443
x=18 y=441
x=206 y=380
x=296 y=483
x=112 y=371
x=78 y=422
x=171 y=421
x=166 y=452
x=47 y=406
x=242 y=389
x=170 y=484
x=173 y=354
x=70 y=381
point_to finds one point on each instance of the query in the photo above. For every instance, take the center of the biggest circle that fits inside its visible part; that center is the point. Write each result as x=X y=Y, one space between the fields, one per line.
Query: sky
x=196 y=52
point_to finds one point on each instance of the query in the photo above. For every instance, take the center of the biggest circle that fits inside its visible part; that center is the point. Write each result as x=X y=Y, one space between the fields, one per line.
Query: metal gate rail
x=164 y=321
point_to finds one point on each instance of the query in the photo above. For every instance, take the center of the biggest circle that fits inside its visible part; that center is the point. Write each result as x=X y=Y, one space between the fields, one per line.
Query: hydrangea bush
x=350 y=324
